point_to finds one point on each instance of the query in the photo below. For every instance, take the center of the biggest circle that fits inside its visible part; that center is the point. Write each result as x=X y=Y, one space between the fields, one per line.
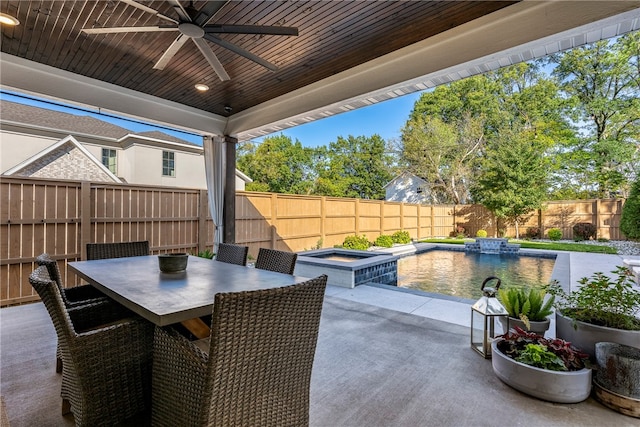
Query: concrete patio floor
x=384 y=358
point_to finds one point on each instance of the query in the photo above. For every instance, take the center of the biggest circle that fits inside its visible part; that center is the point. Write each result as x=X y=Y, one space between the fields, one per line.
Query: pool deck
x=570 y=267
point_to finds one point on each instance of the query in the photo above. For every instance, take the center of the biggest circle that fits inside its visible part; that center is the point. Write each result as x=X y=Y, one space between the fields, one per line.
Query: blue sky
x=385 y=119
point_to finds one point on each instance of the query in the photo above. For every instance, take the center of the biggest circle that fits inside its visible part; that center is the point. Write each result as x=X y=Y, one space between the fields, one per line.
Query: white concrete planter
x=584 y=336
x=554 y=386
x=539 y=327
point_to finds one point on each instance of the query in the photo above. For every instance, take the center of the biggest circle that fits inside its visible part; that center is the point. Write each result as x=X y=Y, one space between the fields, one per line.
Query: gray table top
x=163 y=298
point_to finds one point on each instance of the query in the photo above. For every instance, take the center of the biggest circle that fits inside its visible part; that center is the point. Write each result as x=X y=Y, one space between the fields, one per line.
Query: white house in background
x=38 y=142
x=407 y=188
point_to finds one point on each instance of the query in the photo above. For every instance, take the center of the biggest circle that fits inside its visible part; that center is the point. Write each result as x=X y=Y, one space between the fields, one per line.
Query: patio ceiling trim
x=519 y=32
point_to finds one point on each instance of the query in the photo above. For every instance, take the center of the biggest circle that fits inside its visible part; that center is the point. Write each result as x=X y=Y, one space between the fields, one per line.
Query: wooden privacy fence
x=60 y=217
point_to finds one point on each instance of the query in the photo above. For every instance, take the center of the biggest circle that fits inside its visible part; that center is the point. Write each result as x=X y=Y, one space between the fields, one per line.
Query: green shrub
x=384 y=241
x=630 y=219
x=401 y=237
x=554 y=234
x=584 y=231
x=356 y=242
x=481 y=233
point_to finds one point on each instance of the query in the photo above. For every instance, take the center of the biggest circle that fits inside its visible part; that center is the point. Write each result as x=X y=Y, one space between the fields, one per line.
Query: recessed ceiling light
x=202 y=87
x=8 y=19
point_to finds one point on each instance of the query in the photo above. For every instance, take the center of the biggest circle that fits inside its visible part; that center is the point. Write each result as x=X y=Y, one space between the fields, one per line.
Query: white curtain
x=215 y=165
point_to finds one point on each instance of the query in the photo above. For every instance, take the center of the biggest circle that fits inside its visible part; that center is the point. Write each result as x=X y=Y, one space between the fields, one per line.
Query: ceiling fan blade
x=148 y=9
x=127 y=30
x=212 y=59
x=240 y=51
x=207 y=11
x=180 y=10
x=251 y=29
x=170 y=52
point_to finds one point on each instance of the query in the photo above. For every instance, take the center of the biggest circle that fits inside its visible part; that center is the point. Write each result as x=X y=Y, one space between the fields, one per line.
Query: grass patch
x=532 y=244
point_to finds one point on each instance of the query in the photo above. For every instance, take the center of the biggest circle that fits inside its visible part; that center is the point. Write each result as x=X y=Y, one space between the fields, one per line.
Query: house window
x=168 y=163
x=109 y=159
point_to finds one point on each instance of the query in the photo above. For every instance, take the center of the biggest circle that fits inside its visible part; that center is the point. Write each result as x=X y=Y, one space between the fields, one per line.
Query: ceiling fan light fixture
x=8 y=19
x=202 y=87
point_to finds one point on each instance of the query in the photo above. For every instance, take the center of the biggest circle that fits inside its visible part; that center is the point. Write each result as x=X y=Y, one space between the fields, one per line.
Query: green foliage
x=356 y=242
x=384 y=241
x=356 y=167
x=278 y=165
x=513 y=178
x=205 y=254
x=526 y=304
x=541 y=352
x=602 y=301
x=584 y=231
x=401 y=237
x=630 y=220
x=600 y=83
x=537 y=355
x=554 y=234
x=481 y=233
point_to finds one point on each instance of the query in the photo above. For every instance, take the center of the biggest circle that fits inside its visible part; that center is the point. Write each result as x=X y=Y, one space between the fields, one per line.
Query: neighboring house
x=407 y=188
x=45 y=143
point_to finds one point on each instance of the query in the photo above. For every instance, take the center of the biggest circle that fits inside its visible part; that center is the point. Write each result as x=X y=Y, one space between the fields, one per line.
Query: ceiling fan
x=193 y=24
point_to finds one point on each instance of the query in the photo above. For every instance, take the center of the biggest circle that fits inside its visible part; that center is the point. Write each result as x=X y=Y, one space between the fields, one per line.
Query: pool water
x=461 y=274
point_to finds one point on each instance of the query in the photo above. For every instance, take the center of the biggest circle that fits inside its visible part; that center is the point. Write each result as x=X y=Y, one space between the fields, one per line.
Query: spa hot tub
x=348 y=268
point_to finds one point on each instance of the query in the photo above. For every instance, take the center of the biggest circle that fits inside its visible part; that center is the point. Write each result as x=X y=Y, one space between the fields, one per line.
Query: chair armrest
x=83 y=295
x=96 y=314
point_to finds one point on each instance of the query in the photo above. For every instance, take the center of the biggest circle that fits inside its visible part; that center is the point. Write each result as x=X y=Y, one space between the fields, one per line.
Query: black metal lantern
x=484 y=315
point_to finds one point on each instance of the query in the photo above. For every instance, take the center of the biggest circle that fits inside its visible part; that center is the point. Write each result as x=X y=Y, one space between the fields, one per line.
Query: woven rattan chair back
x=232 y=254
x=273 y=260
x=258 y=367
x=107 y=360
x=117 y=250
x=71 y=297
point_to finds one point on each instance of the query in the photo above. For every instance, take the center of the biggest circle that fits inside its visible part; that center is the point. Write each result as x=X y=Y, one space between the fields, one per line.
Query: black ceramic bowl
x=173 y=263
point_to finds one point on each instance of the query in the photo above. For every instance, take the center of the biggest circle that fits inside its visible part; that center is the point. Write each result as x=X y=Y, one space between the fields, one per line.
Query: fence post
x=323 y=219
x=85 y=217
x=381 y=218
x=402 y=216
x=595 y=208
x=433 y=222
x=202 y=221
x=357 y=216
x=418 y=222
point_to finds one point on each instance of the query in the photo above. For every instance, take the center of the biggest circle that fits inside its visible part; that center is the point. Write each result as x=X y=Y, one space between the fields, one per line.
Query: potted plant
x=546 y=368
x=601 y=309
x=527 y=308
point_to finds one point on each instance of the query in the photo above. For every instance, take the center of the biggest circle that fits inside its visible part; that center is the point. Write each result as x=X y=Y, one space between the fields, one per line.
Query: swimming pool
x=460 y=274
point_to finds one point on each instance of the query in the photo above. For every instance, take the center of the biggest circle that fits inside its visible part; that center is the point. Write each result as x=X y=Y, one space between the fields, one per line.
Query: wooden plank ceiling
x=333 y=36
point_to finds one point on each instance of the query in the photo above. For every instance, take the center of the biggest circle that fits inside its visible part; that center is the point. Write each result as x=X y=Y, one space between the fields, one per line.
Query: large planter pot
x=584 y=336
x=539 y=327
x=554 y=386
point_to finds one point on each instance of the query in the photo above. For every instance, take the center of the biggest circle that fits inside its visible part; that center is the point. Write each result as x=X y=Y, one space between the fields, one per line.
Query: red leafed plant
x=517 y=342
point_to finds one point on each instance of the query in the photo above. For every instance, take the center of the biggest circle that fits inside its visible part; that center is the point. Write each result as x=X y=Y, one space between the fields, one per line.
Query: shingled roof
x=73 y=124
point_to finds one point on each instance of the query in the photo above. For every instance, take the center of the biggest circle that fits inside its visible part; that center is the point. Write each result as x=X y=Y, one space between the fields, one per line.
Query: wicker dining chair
x=232 y=254
x=107 y=354
x=117 y=250
x=254 y=370
x=274 y=260
x=72 y=297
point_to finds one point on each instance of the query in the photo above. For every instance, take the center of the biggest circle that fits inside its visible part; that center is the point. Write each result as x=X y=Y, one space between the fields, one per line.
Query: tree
x=602 y=84
x=451 y=128
x=443 y=154
x=278 y=165
x=513 y=180
x=630 y=220
x=355 y=167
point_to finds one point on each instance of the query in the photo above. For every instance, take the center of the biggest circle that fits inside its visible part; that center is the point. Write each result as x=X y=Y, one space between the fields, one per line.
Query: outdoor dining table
x=168 y=298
